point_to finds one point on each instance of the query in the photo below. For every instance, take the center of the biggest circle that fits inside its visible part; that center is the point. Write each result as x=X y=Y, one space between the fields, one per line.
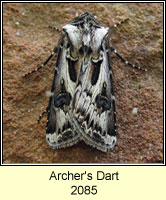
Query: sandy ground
x=27 y=42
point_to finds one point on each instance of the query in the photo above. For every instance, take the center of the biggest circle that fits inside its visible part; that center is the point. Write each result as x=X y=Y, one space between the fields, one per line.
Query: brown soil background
x=27 y=42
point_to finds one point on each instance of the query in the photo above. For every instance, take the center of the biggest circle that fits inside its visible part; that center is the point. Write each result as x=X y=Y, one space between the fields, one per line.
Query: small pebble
x=134 y=111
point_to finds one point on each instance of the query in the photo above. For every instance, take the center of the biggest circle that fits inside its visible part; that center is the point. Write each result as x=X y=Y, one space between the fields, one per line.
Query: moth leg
x=125 y=61
x=117 y=24
x=41 y=66
x=41 y=115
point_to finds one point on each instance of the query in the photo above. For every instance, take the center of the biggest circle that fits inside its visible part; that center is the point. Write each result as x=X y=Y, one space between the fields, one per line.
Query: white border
x=78 y=164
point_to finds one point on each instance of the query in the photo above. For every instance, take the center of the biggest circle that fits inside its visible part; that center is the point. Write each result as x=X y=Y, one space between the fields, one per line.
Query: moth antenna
x=125 y=61
x=44 y=64
x=55 y=28
x=119 y=23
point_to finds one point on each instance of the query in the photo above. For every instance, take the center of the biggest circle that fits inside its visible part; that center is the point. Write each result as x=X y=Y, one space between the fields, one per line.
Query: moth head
x=86 y=34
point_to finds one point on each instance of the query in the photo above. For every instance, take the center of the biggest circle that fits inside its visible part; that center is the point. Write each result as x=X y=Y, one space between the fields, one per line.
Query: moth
x=82 y=102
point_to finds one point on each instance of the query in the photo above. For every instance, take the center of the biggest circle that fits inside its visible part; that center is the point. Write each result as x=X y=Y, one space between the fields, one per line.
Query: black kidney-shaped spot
x=62 y=99
x=103 y=102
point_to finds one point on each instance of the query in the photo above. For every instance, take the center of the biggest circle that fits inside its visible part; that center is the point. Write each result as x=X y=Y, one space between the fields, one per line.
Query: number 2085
x=87 y=190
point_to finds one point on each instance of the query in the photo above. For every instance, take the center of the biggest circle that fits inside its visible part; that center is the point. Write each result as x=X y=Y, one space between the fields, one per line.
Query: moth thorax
x=86 y=40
